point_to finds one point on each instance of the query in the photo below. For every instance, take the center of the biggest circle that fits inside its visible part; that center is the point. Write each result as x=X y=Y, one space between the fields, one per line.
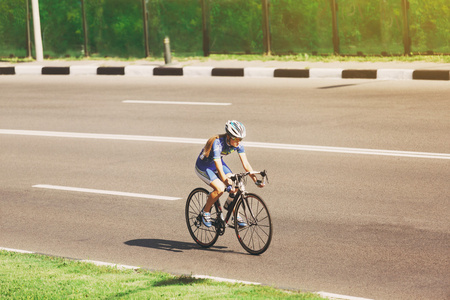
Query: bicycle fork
x=247 y=212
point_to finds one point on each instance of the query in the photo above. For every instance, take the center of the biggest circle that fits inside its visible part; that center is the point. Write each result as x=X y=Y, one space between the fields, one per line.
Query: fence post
x=266 y=27
x=83 y=10
x=144 y=19
x=167 y=54
x=406 y=36
x=205 y=27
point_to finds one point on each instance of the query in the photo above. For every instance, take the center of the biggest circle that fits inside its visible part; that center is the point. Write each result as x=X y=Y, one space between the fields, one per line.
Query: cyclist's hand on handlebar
x=228 y=182
x=259 y=183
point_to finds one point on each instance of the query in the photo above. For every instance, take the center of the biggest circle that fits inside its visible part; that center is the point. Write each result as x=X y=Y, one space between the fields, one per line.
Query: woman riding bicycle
x=211 y=168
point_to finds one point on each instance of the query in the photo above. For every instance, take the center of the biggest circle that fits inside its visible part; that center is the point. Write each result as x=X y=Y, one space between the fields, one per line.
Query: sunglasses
x=235 y=138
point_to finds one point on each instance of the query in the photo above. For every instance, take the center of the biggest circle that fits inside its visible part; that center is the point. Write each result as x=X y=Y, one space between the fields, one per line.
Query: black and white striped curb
x=255 y=72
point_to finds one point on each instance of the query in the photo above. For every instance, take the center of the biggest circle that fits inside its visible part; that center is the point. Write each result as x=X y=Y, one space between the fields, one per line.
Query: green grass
x=256 y=57
x=330 y=58
x=33 y=276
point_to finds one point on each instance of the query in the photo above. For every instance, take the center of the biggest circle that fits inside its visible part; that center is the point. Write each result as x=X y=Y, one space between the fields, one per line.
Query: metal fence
x=137 y=28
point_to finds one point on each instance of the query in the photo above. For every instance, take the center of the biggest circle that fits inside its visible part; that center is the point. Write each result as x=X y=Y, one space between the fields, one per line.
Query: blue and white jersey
x=219 y=149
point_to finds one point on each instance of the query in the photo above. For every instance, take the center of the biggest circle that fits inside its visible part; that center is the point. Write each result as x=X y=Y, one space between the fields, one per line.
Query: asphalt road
x=366 y=225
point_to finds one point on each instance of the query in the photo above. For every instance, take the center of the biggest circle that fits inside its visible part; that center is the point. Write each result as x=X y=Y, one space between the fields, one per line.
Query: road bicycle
x=255 y=237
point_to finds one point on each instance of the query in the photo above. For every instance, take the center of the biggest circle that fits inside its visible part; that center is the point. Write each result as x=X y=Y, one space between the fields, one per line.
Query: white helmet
x=235 y=129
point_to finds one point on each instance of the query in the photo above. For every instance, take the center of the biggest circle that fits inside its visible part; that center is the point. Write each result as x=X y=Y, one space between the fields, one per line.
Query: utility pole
x=336 y=43
x=266 y=27
x=37 y=31
x=83 y=10
x=145 y=18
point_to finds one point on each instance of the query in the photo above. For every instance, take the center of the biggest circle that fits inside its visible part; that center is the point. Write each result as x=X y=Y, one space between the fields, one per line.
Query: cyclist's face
x=234 y=141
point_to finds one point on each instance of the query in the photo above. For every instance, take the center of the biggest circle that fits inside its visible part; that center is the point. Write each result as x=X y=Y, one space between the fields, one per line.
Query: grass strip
x=260 y=57
x=34 y=276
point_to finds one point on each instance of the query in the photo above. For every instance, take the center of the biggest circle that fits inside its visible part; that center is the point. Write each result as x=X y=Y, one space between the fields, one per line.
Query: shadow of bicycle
x=174 y=246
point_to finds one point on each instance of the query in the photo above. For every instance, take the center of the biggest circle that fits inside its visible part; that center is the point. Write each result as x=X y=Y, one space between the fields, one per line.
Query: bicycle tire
x=202 y=235
x=255 y=238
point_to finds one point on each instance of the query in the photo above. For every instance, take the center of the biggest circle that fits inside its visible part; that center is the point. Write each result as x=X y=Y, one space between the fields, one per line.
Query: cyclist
x=211 y=168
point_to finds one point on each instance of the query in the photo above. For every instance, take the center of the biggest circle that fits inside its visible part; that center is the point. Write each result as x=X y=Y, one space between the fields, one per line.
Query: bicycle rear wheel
x=255 y=238
x=202 y=235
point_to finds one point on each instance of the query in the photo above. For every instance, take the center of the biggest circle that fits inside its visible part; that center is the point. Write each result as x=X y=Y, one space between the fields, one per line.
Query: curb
x=250 y=72
x=217 y=279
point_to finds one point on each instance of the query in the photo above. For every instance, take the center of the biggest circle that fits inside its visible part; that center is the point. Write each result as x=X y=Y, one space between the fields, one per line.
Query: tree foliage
x=115 y=27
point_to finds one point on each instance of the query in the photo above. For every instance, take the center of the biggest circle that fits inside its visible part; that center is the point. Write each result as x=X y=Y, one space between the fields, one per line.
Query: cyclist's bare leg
x=218 y=187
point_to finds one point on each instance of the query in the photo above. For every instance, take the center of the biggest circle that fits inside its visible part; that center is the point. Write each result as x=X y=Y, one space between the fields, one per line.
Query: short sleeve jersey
x=219 y=149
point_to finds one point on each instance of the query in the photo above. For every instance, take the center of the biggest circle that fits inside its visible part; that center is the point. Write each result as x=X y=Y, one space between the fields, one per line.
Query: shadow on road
x=335 y=86
x=173 y=246
x=348 y=85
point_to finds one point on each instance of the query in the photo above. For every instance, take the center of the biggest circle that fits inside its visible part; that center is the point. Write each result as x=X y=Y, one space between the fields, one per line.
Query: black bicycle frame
x=230 y=207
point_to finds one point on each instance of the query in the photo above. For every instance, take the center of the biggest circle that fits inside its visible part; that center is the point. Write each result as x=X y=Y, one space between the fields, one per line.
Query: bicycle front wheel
x=202 y=235
x=256 y=236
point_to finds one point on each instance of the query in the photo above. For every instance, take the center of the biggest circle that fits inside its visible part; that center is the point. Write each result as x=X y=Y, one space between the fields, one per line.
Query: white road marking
x=97 y=263
x=146 y=138
x=106 y=264
x=16 y=250
x=337 y=296
x=175 y=102
x=220 y=279
x=104 y=192
x=349 y=150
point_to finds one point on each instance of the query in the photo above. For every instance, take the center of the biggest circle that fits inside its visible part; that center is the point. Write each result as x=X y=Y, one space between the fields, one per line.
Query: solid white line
x=142 y=138
x=106 y=264
x=104 y=192
x=175 y=102
x=247 y=144
x=16 y=250
x=337 y=296
x=97 y=263
x=348 y=150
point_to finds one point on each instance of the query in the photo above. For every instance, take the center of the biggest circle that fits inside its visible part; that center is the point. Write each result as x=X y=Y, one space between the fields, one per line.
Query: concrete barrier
x=431 y=74
x=139 y=70
x=259 y=72
x=325 y=73
x=250 y=72
x=197 y=71
x=395 y=74
x=83 y=70
x=28 y=70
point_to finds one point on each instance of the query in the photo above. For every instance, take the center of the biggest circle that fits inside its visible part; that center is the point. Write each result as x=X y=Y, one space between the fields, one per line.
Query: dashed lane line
x=104 y=192
x=176 y=102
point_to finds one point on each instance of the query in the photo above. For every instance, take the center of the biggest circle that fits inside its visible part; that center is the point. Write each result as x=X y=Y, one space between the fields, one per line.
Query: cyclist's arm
x=247 y=166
